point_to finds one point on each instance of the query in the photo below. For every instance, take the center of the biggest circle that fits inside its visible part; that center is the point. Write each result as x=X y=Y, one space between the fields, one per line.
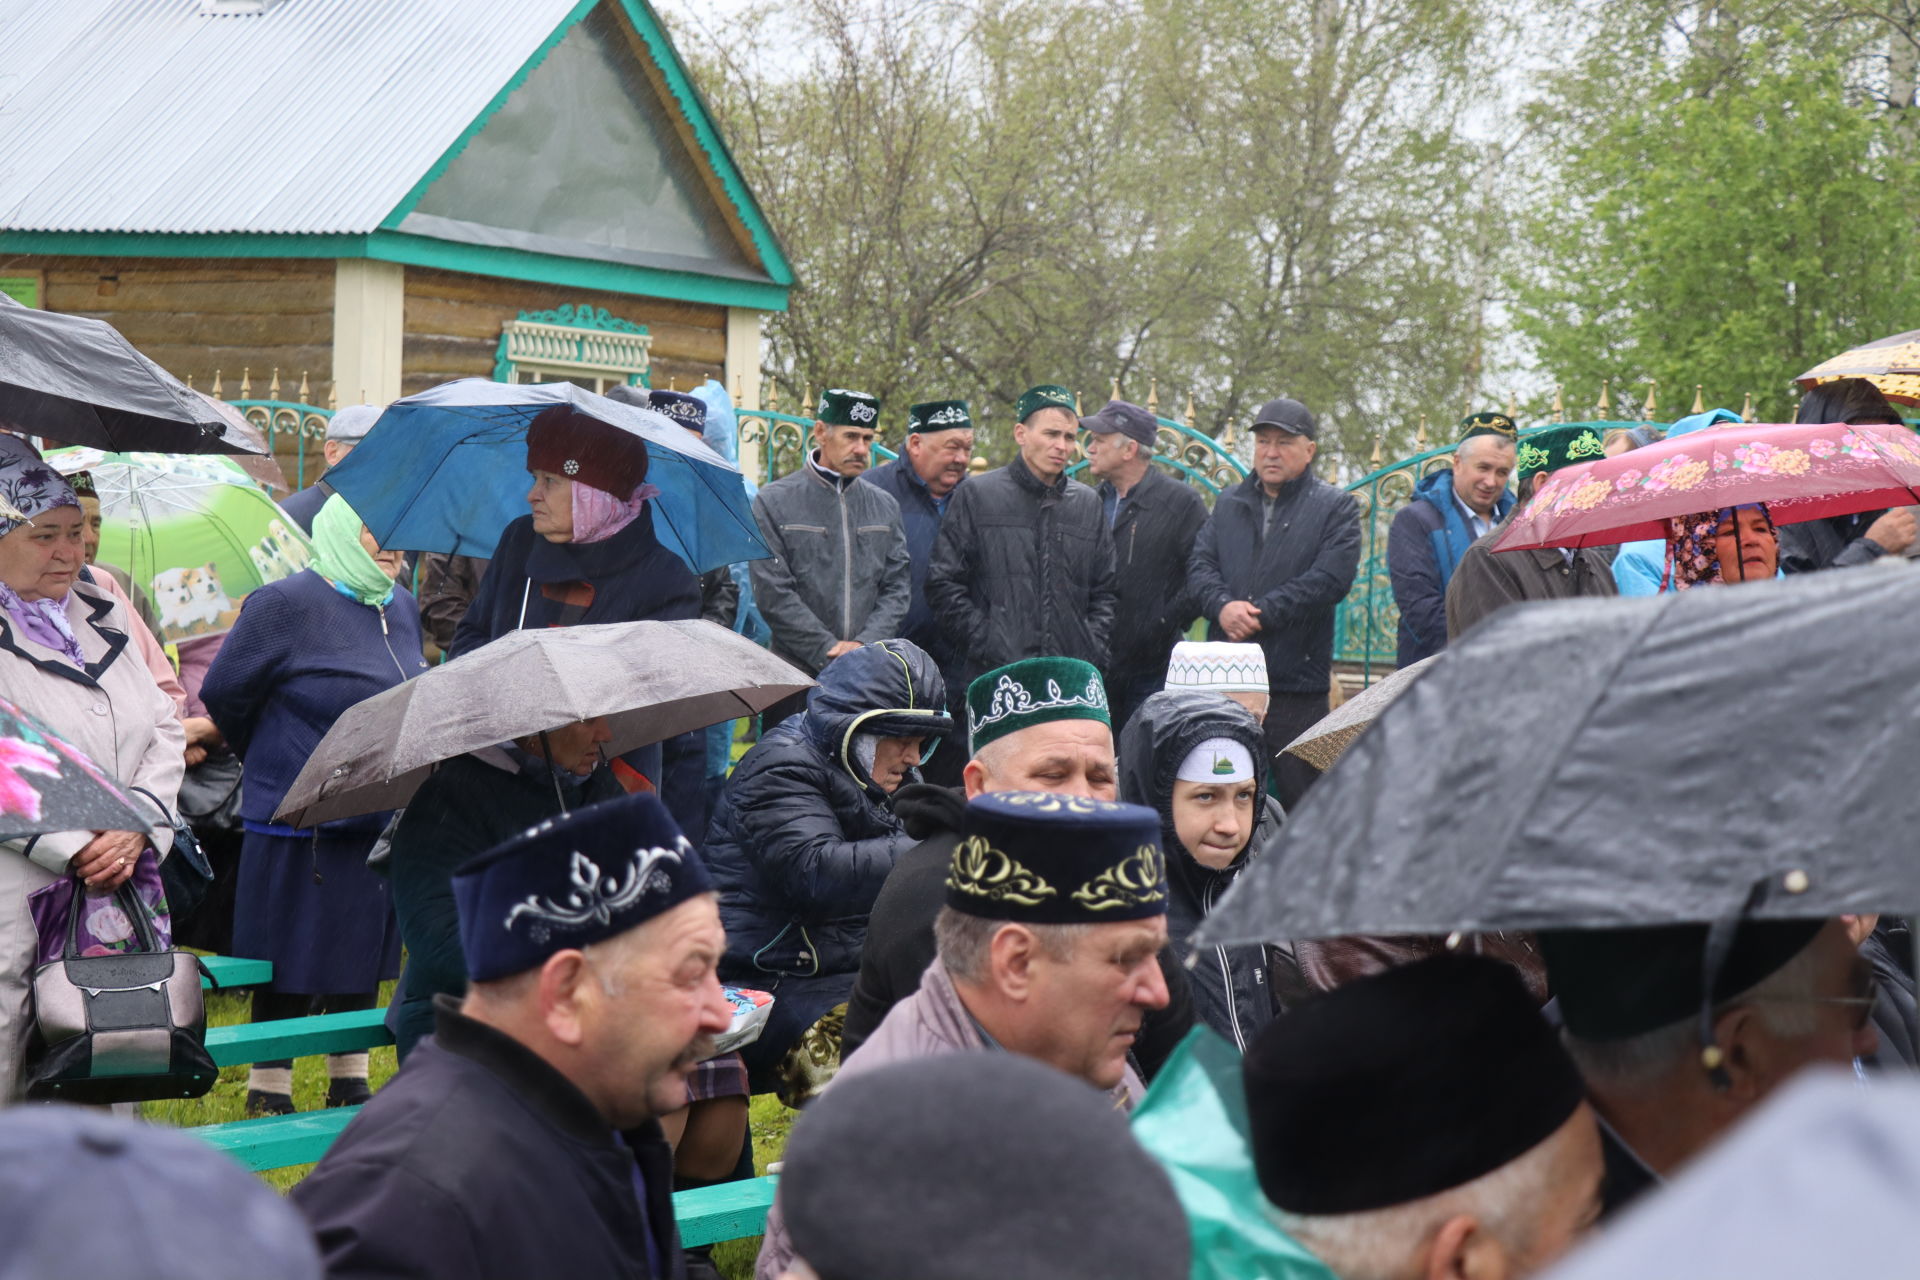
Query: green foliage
x=1236 y=198
x=1737 y=218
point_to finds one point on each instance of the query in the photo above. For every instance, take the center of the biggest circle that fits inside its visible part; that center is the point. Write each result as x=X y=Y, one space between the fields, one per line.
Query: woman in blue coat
x=305 y=649
x=805 y=834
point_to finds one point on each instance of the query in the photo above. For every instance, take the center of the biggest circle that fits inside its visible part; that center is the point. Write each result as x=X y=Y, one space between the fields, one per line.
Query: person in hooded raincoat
x=1173 y=733
x=804 y=836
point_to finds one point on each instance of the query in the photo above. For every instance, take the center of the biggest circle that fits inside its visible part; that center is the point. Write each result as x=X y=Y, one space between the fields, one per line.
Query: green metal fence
x=293 y=430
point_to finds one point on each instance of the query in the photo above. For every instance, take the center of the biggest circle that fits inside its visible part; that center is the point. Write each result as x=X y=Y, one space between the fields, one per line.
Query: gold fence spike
x=333 y=396
x=273 y=388
x=1153 y=397
x=1651 y=407
x=1377 y=456
x=1699 y=399
x=673 y=384
x=1116 y=389
x=1076 y=404
x=1746 y=410
x=1559 y=404
x=1191 y=416
x=215 y=393
x=738 y=391
x=306 y=396
x=1513 y=404
x=1420 y=438
x=1605 y=406
x=189 y=382
x=363 y=396
x=246 y=384
x=807 y=405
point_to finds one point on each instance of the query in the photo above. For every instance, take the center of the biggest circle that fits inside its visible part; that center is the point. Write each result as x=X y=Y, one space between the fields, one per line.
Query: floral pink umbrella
x=48 y=785
x=1801 y=471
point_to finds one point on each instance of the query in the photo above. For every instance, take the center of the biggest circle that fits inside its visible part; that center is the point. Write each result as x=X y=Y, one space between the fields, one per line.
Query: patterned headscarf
x=1693 y=558
x=28 y=486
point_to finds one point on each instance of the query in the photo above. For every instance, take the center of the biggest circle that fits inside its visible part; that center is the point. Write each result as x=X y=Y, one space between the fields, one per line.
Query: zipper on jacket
x=846 y=575
x=1226 y=976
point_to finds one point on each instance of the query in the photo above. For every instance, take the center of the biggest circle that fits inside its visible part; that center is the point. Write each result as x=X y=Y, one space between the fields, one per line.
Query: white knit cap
x=1217 y=760
x=1218 y=666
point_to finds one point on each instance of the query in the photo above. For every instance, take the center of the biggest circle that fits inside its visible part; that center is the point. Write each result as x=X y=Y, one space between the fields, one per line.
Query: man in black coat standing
x=1023 y=566
x=1154 y=518
x=521 y=1139
x=1270 y=566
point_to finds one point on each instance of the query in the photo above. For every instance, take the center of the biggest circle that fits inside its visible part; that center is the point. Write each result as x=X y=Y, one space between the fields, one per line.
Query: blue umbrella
x=446 y=470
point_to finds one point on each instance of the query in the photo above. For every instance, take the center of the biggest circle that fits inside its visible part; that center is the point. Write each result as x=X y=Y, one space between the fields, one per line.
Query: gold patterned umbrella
x=1891 y=364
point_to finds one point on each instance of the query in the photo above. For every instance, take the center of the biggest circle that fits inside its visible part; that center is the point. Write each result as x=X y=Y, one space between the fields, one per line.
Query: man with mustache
x=1056 y=912
x=523 y=1138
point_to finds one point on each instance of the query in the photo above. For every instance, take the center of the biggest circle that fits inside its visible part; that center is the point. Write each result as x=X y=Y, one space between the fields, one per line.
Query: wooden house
x=374 y=196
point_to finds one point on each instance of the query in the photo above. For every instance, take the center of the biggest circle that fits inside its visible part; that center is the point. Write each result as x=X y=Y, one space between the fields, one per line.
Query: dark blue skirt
x=337 y=936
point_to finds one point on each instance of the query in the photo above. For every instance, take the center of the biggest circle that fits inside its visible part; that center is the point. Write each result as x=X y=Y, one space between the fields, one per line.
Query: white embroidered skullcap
x=1217 y=666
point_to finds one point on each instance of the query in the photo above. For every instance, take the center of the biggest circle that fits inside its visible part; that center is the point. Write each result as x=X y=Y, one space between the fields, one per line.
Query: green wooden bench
x=707 y=1215
x=230 y=972
x=298 y=1037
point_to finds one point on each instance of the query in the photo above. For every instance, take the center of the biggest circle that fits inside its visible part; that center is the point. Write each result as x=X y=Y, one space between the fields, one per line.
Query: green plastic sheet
x=1194 y=1121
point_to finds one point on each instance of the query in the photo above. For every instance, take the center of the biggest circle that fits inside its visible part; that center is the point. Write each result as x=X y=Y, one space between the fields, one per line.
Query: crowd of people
x=968 y=864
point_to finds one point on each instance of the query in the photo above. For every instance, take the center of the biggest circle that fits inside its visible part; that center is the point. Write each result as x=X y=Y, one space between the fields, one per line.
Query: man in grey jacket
x=840 y=576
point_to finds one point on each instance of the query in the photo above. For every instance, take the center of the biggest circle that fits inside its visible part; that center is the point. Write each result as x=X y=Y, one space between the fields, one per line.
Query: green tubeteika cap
x=939 y=415
x=1033 y=691
x=841 y=408
x=1045 y=396
x=1545 y=452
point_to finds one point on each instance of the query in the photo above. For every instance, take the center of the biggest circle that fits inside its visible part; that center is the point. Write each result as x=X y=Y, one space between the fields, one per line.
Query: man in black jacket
x=522 y=1139
x=1038 y=725
x=1023 y=566
x=1270 y=566
x=1153 y=518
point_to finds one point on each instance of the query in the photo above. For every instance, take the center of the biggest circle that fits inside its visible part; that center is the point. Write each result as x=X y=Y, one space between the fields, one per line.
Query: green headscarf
x=340 y=559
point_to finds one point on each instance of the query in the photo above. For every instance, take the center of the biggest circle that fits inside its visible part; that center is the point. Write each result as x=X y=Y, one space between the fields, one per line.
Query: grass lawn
x=769 y=1120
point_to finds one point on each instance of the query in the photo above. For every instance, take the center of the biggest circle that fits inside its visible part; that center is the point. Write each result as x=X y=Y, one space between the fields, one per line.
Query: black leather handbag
x=185 y=873
x=126 y=1027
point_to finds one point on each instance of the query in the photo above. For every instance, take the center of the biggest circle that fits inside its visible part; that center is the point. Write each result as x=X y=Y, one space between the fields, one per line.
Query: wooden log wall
x=193 y=316
x=453 y=325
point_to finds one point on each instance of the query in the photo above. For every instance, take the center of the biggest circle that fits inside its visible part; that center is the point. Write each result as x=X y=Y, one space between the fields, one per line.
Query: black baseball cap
x=1288 y=415
x=1129 y=420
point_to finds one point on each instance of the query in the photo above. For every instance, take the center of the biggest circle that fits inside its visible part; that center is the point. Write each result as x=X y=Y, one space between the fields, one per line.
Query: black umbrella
x=1614 y=762
x=79 y=381
x=1823 y=1180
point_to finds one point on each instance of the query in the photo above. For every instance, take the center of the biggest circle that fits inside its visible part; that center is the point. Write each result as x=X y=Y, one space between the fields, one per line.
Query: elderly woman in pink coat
x=65 y=658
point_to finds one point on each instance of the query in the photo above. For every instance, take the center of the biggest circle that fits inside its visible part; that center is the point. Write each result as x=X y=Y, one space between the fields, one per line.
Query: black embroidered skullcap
x=1614 y=984
x=573 y=881
x=1396 y=1087
x=1043 y=858
x=976 y=1164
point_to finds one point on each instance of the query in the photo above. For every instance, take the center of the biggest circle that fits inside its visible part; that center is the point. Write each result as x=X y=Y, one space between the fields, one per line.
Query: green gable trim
x=417 y=251
x=519 y=78
x=772 y=256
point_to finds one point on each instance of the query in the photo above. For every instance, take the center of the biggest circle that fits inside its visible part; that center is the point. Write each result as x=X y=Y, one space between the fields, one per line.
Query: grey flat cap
x=351 y=424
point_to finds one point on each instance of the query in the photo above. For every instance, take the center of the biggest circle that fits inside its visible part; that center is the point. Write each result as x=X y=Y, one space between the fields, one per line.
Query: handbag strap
x=129 y=901
x=167 y=815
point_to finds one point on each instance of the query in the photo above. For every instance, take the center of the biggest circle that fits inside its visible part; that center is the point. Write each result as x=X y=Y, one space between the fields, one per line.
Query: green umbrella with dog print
x=192 y=530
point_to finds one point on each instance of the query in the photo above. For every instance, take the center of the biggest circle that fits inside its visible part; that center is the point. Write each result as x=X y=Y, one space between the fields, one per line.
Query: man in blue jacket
x=1450 y=509
x=932 y=464
x=1271 y=564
